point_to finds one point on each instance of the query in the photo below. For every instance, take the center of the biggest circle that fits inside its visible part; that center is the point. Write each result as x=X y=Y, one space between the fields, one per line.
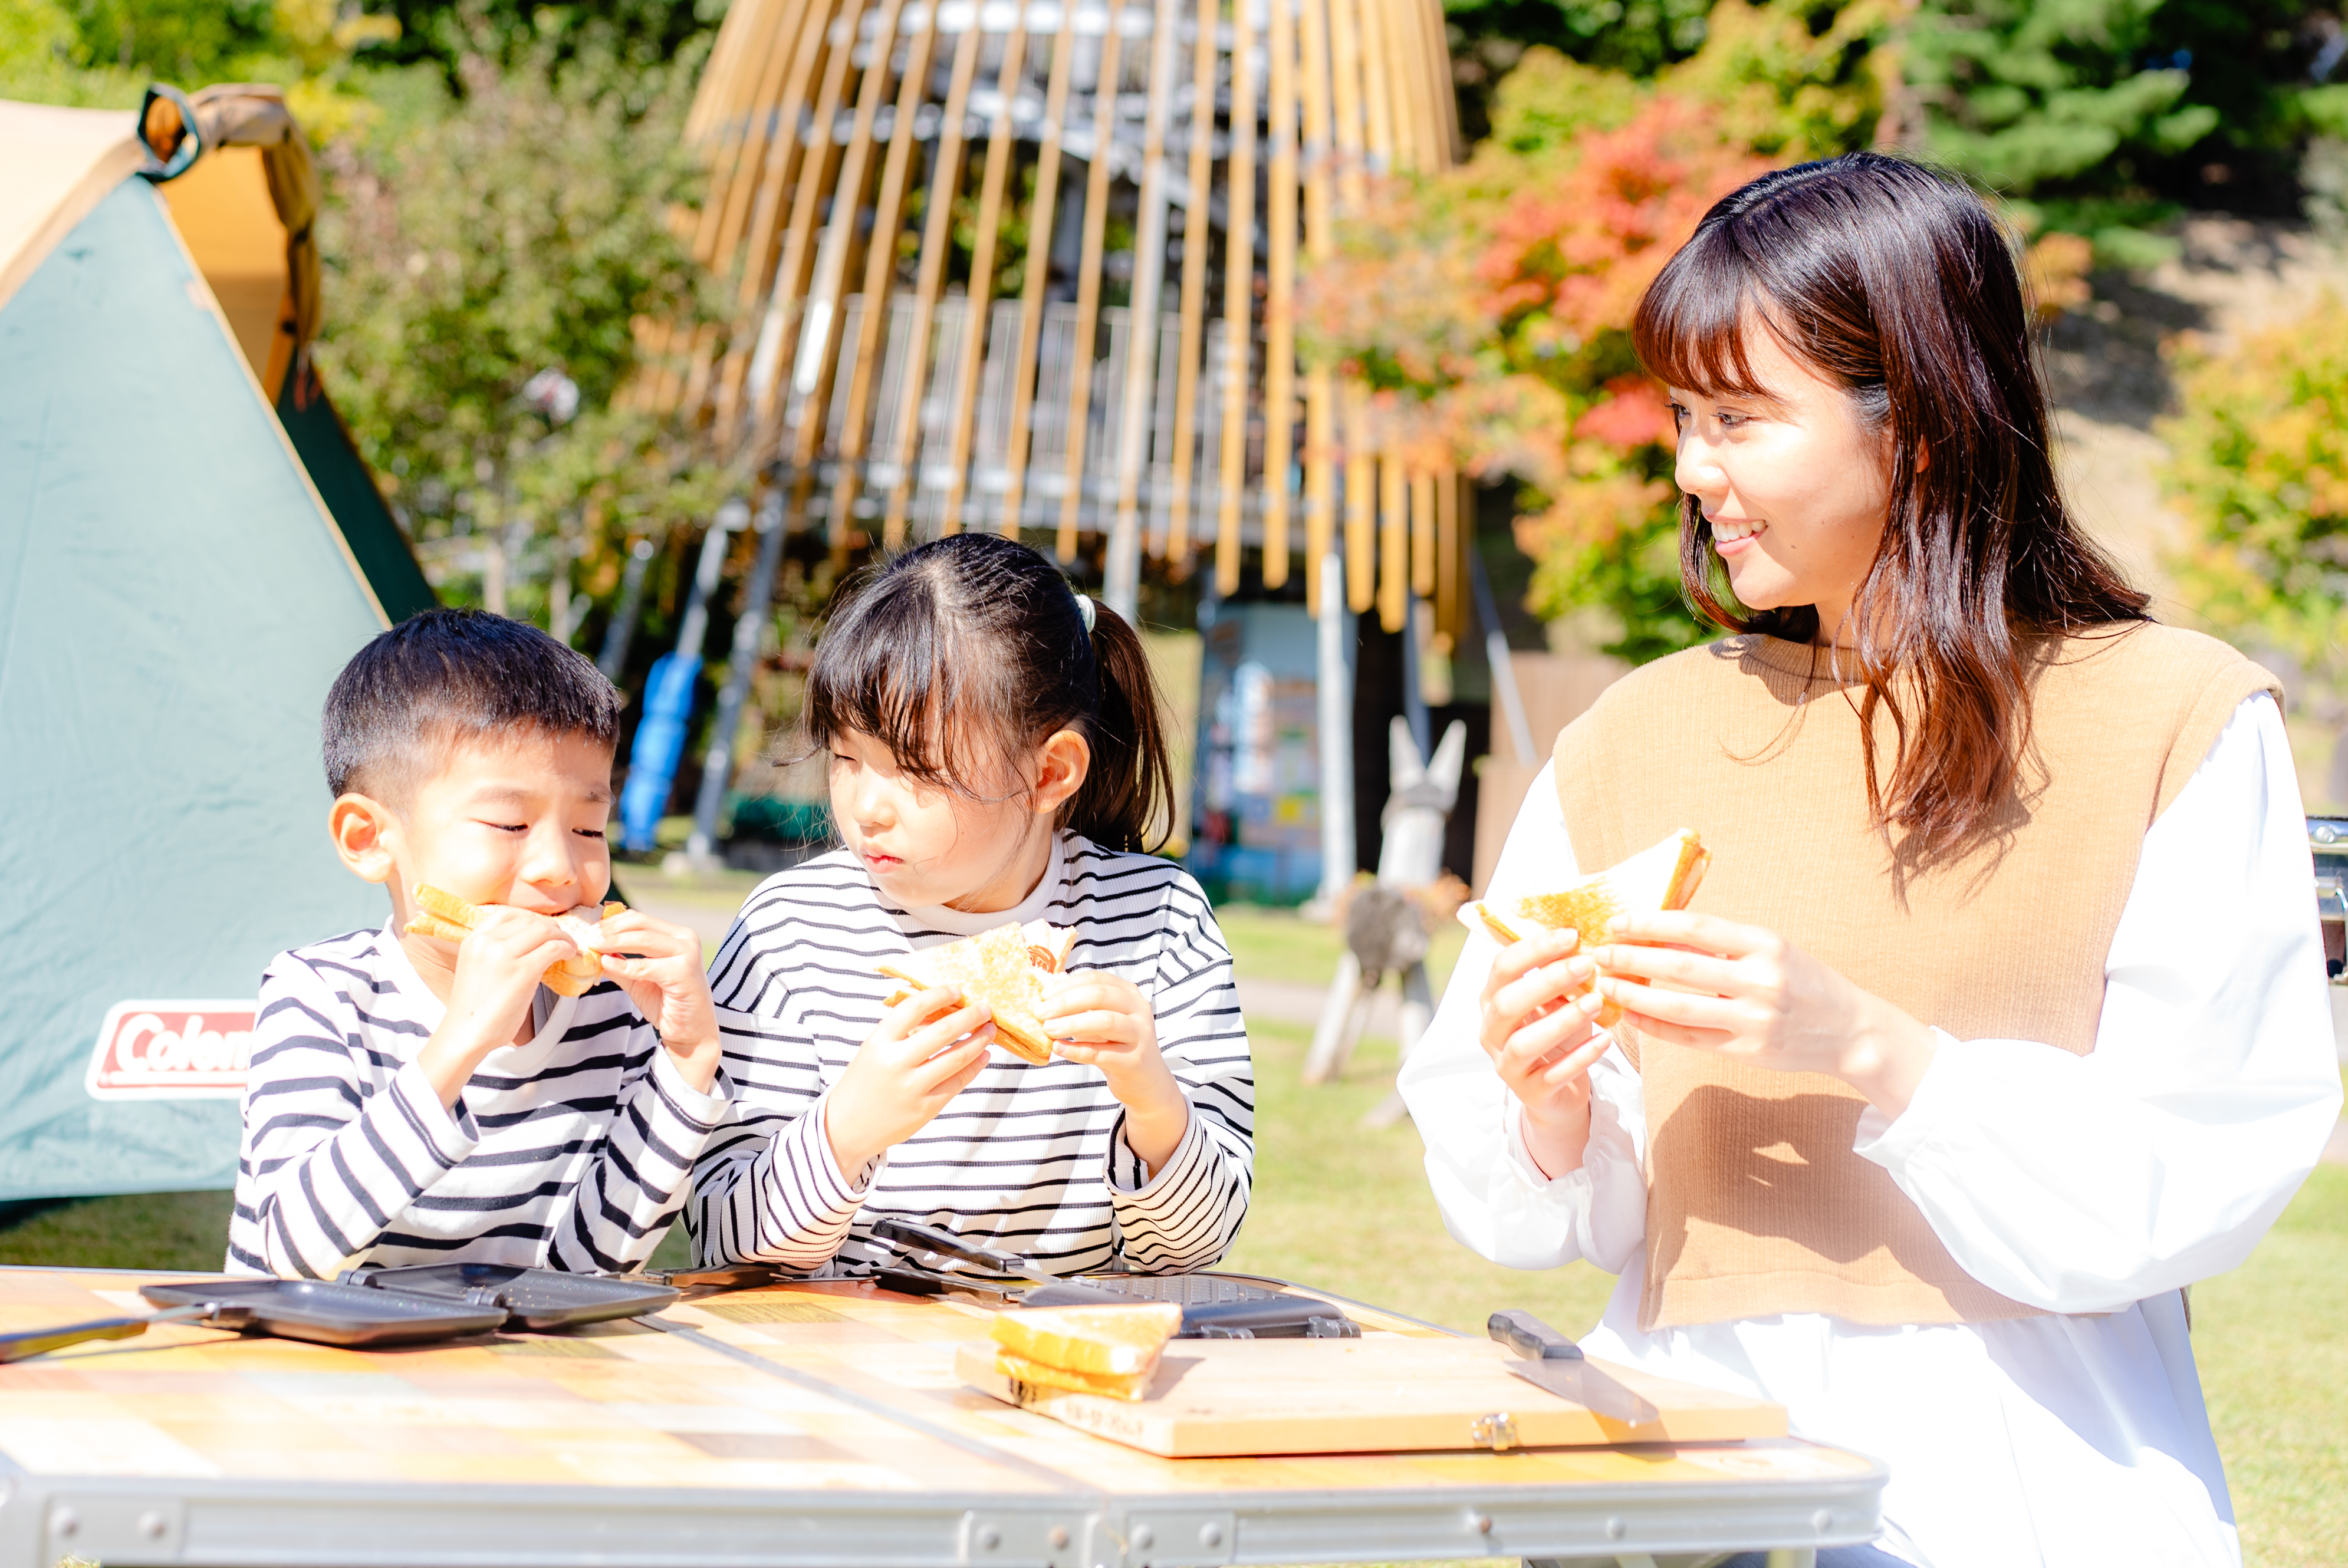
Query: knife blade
x=1554 y=1362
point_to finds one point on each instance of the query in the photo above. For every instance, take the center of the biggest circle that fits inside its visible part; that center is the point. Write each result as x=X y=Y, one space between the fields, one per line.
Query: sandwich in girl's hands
x=1002 y=970
x=996 y=766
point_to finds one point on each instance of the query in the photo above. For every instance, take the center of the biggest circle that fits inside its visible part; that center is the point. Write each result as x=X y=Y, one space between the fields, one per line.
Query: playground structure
x=938 y=226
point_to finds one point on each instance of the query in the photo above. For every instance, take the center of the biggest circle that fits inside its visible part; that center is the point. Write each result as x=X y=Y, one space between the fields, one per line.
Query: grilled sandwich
x=451 y=919
x=1003 y=970
x=1663 y=878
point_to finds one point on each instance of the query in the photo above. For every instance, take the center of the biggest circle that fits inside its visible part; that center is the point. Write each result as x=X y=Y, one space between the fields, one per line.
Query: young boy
x=415 y=1100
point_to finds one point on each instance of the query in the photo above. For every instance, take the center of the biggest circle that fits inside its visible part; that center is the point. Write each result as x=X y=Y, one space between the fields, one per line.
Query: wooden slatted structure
x=1032 y=264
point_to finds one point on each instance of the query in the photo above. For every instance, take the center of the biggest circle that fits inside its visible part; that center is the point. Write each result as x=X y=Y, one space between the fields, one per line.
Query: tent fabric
x=55 y=164
x=348 y=489
x=174 y=603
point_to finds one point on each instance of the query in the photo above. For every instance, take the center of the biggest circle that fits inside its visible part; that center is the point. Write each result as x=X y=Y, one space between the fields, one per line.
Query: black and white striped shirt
x=571 y=1151
x=1029 y=1159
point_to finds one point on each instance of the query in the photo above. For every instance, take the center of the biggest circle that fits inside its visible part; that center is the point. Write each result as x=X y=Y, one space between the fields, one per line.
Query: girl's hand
x=663 y=975
x=1753 y=996
x=1104 y=1021
x=489 y=995
x=924 y=1051
x=1538 y=1033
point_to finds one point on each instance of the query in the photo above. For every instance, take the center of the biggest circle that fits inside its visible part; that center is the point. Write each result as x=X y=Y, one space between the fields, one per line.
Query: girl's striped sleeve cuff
x=1183 y=1216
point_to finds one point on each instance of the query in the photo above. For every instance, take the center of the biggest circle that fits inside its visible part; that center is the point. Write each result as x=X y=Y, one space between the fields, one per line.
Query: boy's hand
x=663 y=975
x=497 y=976
x=1104 y=1021
x=925 y=1050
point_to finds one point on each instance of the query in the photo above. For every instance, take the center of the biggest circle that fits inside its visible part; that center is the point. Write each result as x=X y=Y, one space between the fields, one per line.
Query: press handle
x=41 y=1342
x=1530 y=1337
x=930 y=1238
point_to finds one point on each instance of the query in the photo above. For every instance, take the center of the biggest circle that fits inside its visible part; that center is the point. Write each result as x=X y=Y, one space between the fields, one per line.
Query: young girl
x=995 y=757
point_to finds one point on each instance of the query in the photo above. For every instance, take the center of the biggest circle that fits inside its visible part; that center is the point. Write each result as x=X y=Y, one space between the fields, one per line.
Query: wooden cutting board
x=1379 y=1394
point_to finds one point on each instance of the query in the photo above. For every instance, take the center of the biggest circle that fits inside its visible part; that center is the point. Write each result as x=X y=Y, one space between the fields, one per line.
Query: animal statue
x=1387 y=919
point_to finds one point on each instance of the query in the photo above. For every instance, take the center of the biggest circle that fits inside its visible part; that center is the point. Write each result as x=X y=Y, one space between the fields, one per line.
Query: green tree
x=532 y=227
x=2261 y=473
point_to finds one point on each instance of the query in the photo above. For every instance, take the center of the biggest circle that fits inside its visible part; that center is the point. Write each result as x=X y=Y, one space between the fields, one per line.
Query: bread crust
x=449 y=919
x=999 y=970
x=1590 y=904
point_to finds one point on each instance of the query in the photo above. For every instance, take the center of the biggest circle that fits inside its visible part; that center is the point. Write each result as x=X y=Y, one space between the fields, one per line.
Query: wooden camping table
x=816 y=1423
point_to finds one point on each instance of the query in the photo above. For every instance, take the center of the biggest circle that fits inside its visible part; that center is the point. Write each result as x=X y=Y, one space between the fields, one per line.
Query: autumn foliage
x=1491 y=309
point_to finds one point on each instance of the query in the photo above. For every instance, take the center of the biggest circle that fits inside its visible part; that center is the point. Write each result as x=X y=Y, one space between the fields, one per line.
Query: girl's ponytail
x=1127 y=798
x=958 y=653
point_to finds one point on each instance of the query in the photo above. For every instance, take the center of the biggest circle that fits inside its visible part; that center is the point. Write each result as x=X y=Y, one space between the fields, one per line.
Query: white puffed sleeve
x=1493 y=1197
x=2081 y=1183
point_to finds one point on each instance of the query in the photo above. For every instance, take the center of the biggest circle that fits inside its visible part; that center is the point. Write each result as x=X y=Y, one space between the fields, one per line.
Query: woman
x=1999 y=1017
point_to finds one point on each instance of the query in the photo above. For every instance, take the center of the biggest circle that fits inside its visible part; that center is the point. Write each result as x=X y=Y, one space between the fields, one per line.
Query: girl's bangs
x=1690 y=329
x=894 y=682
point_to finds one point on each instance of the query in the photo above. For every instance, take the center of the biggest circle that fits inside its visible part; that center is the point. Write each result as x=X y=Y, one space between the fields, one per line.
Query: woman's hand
x=1536 y=1030
x=1104 y=1021
x=663 y=975
x=1750 y=995
x=923 y=1052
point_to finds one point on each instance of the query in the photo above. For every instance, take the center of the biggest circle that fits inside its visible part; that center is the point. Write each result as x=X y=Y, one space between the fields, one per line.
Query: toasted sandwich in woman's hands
x=1002 y=970
x=1662 y=878
x=451 y=919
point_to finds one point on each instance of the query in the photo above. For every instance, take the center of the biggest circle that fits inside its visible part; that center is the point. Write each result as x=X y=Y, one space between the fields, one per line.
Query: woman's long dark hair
x=962 y=653
x=1897 y=282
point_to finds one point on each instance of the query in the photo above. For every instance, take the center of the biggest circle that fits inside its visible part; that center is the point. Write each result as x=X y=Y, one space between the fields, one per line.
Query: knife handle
x=1530 y=1337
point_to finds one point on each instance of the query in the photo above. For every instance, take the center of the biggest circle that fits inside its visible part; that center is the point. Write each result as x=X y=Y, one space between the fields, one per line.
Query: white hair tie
x=1085 y=608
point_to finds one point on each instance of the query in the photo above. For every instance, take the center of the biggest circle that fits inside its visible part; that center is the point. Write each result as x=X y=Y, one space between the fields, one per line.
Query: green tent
x=175 y=599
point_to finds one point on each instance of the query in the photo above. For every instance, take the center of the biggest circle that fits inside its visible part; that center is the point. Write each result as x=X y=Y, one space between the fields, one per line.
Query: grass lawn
x=1348 y=1209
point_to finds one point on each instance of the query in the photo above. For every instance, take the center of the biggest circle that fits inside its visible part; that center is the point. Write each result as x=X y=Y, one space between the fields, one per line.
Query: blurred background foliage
x=506 y=196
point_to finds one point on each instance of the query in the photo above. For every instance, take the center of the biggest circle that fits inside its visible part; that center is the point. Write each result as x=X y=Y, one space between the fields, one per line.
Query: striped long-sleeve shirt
x=571 y=1151
x=1029 y=1159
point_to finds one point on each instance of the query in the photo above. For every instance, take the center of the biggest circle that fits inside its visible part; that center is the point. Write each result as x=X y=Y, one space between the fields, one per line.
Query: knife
x=1554 y=1362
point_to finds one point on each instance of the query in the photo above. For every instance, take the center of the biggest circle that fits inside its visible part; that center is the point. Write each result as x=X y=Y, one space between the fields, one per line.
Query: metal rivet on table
x=153 y=1525
x=1144 y=1537
x=1059 y=1536
x=1210 y=1534
x=1821 y=1520
x=1481 y=1523
x=1616 y=1529
x=989 y=1538
x=64 y=1522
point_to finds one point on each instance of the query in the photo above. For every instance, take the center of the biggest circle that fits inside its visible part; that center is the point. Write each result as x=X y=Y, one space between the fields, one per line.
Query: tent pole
x=750 y=632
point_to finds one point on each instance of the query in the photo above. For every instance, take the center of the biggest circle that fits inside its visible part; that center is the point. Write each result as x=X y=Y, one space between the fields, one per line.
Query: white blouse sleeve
x=2081 y=1183
x=1493 y=1198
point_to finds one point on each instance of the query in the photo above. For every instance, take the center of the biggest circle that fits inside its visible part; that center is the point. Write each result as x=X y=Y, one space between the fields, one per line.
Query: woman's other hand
x=1535 y=1024
x=1753 y=996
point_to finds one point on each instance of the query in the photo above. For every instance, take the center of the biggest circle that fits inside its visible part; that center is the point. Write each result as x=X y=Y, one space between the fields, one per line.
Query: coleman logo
x=172 y=1050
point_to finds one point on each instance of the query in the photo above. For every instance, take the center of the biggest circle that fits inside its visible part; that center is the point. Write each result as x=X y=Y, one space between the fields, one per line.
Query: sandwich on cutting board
x=1663 y=878
x=1002 y=970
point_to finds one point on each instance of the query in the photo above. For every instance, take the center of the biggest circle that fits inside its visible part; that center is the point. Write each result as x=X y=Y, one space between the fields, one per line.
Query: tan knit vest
x=1756 y=1205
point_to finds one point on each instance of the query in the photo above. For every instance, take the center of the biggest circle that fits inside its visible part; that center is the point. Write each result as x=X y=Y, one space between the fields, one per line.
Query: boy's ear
x=362 y=828
x=1062 y=764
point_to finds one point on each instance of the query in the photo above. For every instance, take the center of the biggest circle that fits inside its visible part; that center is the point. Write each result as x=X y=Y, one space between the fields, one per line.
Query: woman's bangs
x=1690 y=330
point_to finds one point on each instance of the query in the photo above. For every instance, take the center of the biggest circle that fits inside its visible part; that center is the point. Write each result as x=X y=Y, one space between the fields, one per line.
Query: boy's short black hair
x=446 y=678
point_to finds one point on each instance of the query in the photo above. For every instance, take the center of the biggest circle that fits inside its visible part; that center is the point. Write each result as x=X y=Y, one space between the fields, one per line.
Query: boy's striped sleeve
x=327 y=1163
x=634 y=1186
